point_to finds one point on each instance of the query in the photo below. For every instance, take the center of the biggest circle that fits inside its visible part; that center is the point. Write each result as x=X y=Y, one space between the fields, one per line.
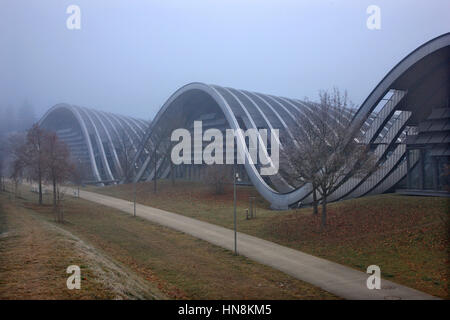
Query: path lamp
x=80 y=178
x=134 y=195
x=235 y=178
x=134 y=198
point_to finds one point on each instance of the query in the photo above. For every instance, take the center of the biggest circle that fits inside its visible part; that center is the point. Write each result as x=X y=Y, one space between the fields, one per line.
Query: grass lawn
x=180 y=266
x=34 y=258
x=408 y=237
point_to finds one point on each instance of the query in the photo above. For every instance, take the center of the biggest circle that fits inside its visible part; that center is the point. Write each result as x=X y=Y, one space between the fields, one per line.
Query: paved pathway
x=332 y=277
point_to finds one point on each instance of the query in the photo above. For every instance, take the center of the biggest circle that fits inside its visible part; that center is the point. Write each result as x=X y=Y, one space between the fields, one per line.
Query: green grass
x=406 y=236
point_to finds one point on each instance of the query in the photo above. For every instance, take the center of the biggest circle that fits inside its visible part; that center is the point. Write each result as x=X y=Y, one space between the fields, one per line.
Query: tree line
x=39 y=155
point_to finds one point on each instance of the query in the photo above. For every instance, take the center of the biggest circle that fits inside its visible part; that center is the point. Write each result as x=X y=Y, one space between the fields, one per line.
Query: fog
x=130 y=56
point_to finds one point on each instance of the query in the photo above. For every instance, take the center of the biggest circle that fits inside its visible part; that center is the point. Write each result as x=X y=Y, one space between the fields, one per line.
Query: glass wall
x=443 y=172
x=427 y=172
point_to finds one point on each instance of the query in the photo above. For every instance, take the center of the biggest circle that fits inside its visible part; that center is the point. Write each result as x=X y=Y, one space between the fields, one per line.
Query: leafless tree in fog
x=29 y=155
x=58 y=166
x=40 y=156
x=324 y=152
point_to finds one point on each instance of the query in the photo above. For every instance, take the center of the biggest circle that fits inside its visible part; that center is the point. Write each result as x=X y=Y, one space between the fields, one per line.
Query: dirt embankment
x=34 y=256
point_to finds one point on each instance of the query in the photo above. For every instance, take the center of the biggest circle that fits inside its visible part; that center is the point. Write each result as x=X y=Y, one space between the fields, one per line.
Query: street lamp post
x=80 y=181
x=134 y=198
x=134 y=191
x=235 y=177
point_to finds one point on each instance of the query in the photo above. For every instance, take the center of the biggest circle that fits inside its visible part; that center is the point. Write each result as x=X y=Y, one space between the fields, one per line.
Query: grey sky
x=130 y=56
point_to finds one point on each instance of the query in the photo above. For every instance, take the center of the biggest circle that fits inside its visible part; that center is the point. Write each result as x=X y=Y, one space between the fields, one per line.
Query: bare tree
x=41 y=156
x=323 y=152
x=58 y=166
x=31 y=154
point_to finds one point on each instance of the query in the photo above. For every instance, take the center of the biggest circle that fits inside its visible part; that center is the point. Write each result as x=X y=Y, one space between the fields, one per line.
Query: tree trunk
x=40 y=185
x=324 y=211
x=16 y=183
x=62 y=212
x=315 y=210
x=39 y=170
x=54 y=194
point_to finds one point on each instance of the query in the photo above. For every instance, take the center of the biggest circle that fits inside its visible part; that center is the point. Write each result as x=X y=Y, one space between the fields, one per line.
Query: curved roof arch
x=95 y=138
x=243 y=109
x=401 y=69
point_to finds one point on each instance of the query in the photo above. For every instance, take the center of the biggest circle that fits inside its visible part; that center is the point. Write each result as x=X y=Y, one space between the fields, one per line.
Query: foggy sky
x=130 y=56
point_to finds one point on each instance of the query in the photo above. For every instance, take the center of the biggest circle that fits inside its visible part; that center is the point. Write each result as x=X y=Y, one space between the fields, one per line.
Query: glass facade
x=427 y=172
x=443 y=173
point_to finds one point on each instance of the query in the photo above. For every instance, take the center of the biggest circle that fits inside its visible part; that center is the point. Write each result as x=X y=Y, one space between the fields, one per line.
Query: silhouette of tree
x=324 y=151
